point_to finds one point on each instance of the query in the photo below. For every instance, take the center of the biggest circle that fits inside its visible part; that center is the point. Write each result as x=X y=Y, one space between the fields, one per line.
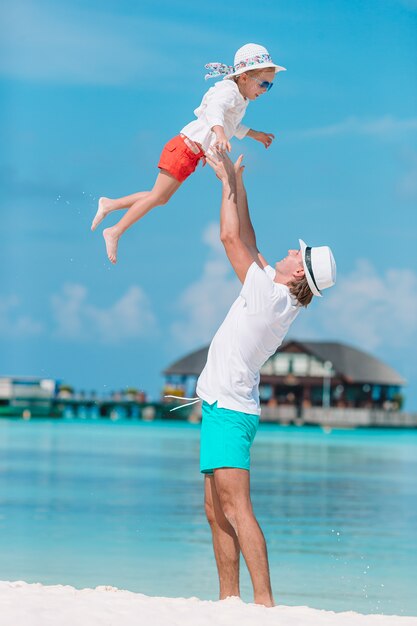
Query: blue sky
x=90 y=93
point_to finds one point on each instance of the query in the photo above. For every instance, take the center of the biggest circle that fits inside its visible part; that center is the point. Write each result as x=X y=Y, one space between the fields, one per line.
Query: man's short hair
x=301 y=291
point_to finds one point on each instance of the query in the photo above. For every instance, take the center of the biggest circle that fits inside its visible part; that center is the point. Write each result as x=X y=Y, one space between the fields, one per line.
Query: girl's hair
x=258 y=70
x=301 y=291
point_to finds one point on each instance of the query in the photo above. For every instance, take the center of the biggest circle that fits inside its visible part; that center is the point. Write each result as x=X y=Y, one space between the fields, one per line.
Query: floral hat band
x=220 y=69
x=251 y=56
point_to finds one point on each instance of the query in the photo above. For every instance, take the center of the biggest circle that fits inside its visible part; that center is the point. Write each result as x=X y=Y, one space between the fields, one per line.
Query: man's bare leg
x=165 y=186
x=233 y=489
x=225 y=543
x=108 y=205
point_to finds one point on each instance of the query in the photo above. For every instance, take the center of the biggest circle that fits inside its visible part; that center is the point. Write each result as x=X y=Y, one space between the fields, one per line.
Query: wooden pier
x=91 y=408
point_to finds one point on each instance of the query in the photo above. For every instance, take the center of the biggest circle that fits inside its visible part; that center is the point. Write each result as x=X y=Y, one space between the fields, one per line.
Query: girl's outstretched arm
x=222 y=142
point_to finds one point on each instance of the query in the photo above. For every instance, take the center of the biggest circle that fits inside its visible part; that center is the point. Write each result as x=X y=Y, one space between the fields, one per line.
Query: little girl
x=218 y=120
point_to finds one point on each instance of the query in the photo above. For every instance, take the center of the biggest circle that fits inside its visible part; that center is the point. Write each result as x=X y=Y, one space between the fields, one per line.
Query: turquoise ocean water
x=90 y=503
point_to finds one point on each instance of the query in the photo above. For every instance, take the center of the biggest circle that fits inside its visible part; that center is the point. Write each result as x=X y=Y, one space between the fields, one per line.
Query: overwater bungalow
x=304 y=377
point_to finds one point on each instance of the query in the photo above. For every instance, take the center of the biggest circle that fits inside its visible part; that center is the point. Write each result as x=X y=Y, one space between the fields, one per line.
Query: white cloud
x=130 y=317
x=211 y=237
x=67 y=310
x=385 y=126
x=366 y=308
x=204 y=304
x=13 y=323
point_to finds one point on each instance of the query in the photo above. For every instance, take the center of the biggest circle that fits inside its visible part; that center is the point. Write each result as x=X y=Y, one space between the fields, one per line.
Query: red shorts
x=178 y=159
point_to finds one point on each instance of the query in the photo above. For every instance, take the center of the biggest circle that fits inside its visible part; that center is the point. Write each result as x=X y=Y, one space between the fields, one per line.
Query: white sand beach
x=24 y=604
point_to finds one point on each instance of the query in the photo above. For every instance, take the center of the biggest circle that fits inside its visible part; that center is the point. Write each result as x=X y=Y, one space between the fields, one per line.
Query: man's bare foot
x=104 y=208
x=266 y=600
x=111 y=239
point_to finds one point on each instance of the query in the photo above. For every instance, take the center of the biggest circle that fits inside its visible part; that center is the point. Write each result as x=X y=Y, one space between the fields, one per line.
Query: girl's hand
x=265 y=138
x=221 y=143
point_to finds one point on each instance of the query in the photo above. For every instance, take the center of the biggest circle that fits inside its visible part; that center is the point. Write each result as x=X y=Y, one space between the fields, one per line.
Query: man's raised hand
x=223 y=167
x=239 y=167
x=220 y=162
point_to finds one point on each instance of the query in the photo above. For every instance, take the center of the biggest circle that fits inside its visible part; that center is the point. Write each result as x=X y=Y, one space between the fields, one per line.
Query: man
x=255 y=326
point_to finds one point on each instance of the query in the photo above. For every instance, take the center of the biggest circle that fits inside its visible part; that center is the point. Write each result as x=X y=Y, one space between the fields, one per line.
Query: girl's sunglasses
x=263 y=84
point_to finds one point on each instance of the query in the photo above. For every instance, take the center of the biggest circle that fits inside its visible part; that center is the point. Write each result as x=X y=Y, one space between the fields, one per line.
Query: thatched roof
x=356 y=366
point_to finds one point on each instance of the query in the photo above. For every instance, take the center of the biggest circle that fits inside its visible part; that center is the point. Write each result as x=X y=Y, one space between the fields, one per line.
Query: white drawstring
x=194 y=401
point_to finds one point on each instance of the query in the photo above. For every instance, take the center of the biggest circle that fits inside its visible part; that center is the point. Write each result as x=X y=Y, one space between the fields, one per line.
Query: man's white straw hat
x=319 y=267
x=252 y=56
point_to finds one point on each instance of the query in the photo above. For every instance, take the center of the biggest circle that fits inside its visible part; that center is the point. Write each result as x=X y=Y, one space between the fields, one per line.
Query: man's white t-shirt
x=252 y=331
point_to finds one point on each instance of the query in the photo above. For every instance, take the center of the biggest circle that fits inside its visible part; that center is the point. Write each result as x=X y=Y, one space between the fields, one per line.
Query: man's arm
x=240 y=255
x=247 y=232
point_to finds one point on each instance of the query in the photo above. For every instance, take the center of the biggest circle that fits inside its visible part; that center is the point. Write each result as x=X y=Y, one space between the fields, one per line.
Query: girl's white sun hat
x=319 y=267
x=251 y=56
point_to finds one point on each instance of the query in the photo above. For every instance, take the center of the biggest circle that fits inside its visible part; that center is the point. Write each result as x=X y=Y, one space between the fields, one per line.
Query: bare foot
x=104 y=208
x=111 y=239
x=266 y=600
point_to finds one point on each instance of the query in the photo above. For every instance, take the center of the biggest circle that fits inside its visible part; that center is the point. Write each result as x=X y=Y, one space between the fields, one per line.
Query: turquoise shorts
x=226 y=438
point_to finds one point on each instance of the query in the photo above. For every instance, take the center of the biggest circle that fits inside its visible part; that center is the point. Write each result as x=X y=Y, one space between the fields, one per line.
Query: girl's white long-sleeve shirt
x=222 y=105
